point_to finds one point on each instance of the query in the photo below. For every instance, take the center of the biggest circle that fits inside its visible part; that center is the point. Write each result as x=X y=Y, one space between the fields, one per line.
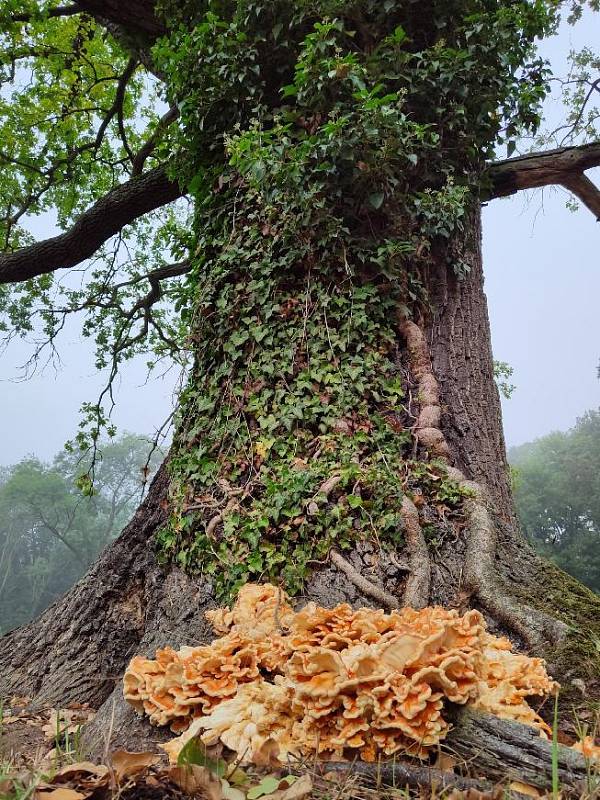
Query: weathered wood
x=401 y=774
x=563 y=166
x=504 y=750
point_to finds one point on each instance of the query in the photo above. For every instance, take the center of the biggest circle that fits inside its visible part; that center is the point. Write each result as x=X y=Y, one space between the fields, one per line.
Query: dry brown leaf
x=525 y=788
x=192 y=779
x=267 y=755
x=7 y=785
x=299 y=789
x=126 y=764
x=59 y=722
x=446 y=762
x=20 y=700
x=62 y=793
x=9 y=719
x=82 y=768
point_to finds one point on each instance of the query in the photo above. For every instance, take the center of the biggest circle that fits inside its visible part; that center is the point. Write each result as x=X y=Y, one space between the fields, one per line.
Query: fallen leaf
x=229 y=793
x=62 y=793
x=267 y=754
x=125 y=764
x=192 y=779
x=82 y=768
x=267 y=786
x=60 y=722
x=525 y=788
x=301 y=787
x=20 y=700
x=446 y=763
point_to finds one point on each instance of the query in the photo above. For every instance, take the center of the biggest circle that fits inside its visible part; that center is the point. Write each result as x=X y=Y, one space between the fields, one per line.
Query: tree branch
x=59 y=11
x=564 y=167
x=136 y=17
x=121 y=206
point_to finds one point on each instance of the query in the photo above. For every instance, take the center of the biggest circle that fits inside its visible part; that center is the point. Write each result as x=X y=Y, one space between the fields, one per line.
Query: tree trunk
x=127 y=604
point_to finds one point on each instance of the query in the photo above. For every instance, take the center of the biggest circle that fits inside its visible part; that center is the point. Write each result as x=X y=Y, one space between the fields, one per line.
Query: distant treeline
x=557 y=492
x=51 y=530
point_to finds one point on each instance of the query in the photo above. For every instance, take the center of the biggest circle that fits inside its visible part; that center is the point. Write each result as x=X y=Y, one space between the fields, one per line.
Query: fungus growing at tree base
x=333 y=682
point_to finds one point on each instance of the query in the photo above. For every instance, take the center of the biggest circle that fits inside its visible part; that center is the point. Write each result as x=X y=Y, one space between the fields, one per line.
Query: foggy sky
x=542 y=283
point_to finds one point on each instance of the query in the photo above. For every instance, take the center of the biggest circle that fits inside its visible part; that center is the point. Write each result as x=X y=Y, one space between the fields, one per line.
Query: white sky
x=543 y=288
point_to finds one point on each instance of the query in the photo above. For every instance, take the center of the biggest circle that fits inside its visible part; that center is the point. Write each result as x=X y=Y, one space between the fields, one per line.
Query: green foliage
x=50 y=531
x=503 y=372
x=557 y=492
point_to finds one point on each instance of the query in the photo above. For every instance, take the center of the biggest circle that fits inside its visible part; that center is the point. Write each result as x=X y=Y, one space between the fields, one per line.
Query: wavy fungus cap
x=332 y=681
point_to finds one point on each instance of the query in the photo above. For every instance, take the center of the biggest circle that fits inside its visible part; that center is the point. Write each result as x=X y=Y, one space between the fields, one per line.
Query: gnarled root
x=480 y=577
x=479 y=574
x=427 y=428
x=416 y=591
x=363 y=584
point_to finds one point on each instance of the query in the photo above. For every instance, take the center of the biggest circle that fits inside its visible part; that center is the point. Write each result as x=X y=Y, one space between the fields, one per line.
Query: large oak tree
x=339 y=432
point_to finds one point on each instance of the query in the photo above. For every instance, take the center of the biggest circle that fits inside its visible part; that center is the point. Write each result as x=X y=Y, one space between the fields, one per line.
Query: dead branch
x=402 y=774
x=563 y=166
x=120 y=207
x=499 y=749
x=505 y=750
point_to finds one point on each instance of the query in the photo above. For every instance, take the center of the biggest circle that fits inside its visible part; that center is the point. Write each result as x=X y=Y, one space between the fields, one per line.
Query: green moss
x=577 y=656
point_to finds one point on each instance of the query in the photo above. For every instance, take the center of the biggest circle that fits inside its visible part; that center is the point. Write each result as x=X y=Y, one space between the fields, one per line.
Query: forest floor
x=41 y=759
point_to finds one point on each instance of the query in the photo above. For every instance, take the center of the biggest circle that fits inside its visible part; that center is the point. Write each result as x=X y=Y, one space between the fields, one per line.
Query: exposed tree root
x=363 y=584
x=427 y=428
x=479 y=575
x=416 y=591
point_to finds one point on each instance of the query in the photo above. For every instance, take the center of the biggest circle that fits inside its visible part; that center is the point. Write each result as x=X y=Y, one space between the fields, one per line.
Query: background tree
x=50 y=532
x=339 y=432
x=557 y=495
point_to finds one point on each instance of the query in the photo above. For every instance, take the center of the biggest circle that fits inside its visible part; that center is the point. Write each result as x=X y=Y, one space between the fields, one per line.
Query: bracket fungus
x=333 y=682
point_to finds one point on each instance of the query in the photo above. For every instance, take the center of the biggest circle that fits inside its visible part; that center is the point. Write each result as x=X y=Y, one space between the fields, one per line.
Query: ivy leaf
x=376 y=200
x=195 y=753
x=268 y=785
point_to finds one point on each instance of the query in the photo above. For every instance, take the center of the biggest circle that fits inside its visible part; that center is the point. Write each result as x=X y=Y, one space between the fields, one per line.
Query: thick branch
x=564 y=166
x=59 y=11
x=136 y=17
x=104 y=219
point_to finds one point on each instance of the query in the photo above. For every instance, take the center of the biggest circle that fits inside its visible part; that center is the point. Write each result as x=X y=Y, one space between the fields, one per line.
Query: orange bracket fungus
x=333 y=682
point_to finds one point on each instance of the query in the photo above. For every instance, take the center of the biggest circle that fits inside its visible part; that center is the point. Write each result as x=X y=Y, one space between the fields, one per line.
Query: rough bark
x=136 y=17
x=505 y=750
x=460 y=344
x=501 y=750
